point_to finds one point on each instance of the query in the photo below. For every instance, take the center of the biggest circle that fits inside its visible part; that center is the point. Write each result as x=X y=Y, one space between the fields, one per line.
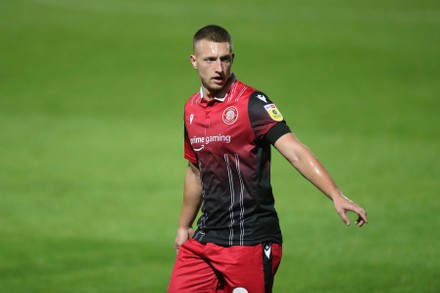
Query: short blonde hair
x=212 y=33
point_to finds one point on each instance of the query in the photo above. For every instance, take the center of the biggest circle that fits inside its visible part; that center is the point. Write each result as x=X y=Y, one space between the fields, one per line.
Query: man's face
x=213 y=62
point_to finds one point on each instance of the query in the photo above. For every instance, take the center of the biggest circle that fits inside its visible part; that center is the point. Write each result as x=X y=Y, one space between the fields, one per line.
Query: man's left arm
x=308 y=165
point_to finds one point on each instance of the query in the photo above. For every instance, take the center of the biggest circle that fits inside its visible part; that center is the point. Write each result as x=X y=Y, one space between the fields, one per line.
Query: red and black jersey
x=230 y=139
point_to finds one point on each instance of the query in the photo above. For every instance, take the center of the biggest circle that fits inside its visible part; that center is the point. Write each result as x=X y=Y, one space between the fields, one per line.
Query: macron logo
x=262 y=97
x=191 y=119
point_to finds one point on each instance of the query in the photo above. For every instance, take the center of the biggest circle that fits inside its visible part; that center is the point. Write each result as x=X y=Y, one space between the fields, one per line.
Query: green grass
x=91 y=159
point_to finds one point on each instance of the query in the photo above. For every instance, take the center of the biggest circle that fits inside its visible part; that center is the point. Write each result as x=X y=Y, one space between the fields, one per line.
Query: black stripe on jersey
x=277 y=131
x=267 y=266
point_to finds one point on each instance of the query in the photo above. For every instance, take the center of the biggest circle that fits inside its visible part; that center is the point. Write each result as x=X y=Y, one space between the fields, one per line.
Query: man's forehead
x=211 y=47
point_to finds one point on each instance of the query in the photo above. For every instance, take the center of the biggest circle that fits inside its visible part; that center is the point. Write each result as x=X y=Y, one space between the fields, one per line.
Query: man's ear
x=193 y=60
x=233 y=56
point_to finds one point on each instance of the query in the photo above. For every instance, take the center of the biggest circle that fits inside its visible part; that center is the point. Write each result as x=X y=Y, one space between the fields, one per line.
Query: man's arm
x=308 y=165
x=192 y=199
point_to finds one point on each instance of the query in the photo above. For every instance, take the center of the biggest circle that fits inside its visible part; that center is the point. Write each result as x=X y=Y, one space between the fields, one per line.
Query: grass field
x=91 y=159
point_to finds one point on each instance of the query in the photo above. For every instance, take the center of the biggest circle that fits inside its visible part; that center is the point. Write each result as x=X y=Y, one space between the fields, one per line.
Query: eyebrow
x=226 y=56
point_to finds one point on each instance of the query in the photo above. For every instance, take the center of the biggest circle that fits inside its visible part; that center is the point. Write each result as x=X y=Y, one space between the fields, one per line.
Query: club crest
x=230 y=115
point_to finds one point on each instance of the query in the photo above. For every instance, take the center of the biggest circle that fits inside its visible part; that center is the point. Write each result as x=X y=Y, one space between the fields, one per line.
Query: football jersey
x=229 y=139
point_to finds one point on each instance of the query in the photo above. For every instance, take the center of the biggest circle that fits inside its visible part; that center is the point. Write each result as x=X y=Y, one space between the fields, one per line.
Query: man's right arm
x=192 y=200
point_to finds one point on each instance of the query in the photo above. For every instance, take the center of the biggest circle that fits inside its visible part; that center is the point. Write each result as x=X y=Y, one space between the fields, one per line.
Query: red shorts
x=208 y=268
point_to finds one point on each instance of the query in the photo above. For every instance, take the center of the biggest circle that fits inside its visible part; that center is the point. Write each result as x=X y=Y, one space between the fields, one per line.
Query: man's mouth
x=218 y=79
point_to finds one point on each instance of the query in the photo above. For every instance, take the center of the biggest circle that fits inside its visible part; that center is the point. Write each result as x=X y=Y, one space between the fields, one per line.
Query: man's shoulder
x=241 y=92
x=252 y=93
x=245 y=87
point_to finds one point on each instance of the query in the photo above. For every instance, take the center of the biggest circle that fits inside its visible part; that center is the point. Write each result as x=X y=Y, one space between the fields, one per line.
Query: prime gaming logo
x=204 y=140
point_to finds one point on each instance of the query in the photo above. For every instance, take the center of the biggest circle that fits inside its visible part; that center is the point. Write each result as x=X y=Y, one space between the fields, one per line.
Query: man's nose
x=218 y=66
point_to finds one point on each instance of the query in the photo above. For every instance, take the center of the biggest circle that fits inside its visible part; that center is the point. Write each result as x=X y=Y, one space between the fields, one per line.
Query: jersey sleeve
x=266 y=120
x=190 y=155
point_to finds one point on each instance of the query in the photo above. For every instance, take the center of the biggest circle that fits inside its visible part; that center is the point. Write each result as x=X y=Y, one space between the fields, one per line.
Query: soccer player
x=229 y=130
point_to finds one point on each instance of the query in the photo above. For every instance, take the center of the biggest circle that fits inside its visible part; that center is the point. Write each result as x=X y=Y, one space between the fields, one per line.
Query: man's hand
x=343 y=205
x=183 y=234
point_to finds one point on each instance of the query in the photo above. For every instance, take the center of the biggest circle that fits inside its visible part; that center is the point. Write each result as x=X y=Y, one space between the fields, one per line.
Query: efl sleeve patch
x=273 y=112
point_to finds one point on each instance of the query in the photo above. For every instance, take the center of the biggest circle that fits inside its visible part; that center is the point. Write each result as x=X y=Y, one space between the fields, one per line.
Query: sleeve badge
x=273 y=112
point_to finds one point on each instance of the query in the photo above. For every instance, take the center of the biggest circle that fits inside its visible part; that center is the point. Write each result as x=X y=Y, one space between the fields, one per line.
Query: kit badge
x=273 y=112
x=230 y=115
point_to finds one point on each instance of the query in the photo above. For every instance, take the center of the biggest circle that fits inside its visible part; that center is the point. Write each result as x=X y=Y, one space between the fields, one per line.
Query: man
x=229 y=130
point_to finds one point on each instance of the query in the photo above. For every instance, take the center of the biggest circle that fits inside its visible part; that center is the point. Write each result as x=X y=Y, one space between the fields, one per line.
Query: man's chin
x=215 y=87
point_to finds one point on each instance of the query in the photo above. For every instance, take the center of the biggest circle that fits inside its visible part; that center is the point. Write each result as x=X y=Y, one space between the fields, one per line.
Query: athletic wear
x=207 y=267
x=229 y=138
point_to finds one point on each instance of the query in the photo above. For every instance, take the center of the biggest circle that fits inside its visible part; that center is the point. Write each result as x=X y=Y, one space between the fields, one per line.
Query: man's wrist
x=339 y=195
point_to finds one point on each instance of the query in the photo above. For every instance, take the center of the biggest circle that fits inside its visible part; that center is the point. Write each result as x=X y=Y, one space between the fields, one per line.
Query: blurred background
x=91 y=138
